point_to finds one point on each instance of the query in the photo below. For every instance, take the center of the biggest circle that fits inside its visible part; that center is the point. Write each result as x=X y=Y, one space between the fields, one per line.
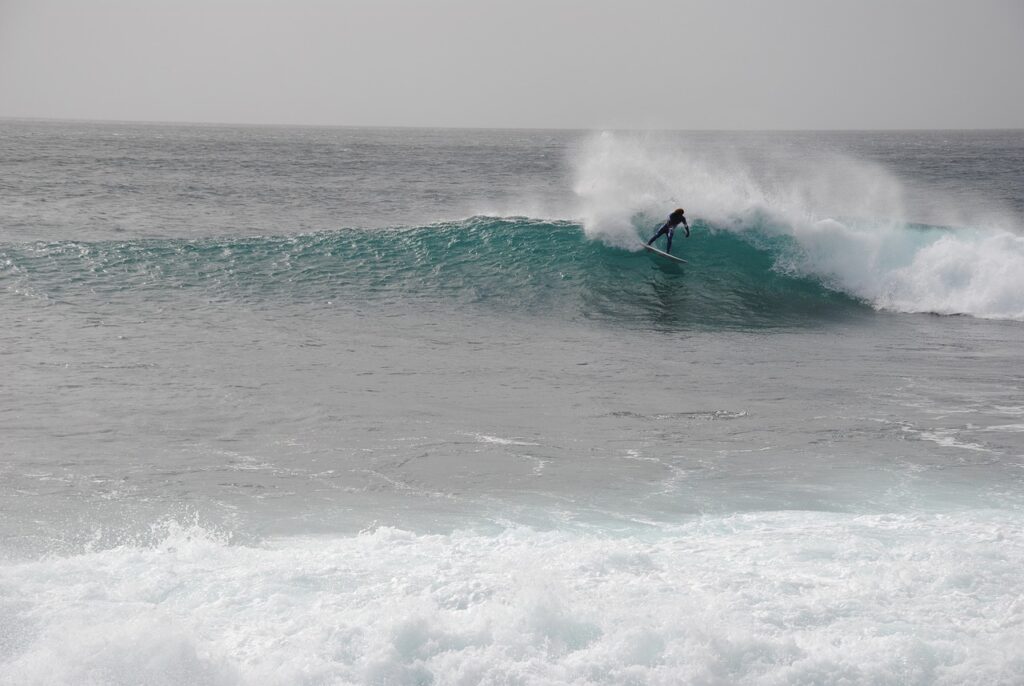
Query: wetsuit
x=669 y=227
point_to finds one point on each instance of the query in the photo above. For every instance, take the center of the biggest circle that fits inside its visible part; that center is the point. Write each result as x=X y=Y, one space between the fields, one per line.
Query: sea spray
x=845 y=221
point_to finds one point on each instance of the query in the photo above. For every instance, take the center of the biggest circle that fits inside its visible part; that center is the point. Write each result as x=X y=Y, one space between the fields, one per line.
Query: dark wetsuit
x=669 y=227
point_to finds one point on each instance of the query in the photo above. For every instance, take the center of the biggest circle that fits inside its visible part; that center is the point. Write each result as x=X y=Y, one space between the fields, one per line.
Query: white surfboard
x=664 y=254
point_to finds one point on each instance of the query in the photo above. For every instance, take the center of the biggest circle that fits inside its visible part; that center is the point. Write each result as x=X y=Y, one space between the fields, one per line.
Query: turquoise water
x=509 y=265
x=332 y=406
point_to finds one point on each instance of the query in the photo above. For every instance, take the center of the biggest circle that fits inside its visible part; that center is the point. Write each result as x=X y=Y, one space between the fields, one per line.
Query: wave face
x=755 y=271
x=516 y=265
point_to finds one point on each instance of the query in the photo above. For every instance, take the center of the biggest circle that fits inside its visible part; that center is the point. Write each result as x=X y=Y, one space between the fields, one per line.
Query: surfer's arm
x=687 y=227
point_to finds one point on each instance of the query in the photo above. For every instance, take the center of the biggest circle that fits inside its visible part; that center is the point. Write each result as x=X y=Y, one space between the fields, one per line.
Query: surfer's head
x=680 y=210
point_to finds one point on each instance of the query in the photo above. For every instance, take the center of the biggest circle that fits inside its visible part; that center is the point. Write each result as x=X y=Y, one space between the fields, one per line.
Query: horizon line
x=163 y=122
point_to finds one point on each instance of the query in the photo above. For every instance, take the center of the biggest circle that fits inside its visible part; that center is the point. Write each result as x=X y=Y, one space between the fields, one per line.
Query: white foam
x=484 y=438
x=768 y=598
x=948 y=438
x=1009 y=428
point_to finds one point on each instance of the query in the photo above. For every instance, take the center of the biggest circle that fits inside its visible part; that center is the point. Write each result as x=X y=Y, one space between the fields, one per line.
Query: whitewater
x=359 y=406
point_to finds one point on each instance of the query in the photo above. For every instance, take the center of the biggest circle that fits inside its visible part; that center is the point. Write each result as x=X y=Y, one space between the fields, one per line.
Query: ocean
x=403 y=406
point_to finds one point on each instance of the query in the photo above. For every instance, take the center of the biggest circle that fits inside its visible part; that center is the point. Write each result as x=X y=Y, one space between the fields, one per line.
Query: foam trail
x=844 y=221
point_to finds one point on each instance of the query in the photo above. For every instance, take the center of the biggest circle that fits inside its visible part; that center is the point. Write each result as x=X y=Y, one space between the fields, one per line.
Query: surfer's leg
x=668 y=247
x=655 y=236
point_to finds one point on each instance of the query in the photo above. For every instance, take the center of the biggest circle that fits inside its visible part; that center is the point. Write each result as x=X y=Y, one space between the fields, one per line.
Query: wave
x=510 y=264
x=758 y=272
x=749 y=271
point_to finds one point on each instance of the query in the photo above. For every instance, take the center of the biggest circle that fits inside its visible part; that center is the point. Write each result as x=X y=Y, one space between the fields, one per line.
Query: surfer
x=669 y=227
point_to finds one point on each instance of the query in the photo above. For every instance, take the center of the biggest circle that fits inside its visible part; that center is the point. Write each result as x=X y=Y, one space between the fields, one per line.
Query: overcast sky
x=670 y=64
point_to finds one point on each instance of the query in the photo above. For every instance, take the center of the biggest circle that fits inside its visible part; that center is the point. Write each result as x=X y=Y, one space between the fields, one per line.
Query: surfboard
x=664 y=254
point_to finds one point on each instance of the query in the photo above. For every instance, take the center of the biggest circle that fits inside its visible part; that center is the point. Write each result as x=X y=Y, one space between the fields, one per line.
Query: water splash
x=844 y=221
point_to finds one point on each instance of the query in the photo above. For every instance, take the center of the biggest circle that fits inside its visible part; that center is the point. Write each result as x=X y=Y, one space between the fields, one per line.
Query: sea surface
x=358 y=406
